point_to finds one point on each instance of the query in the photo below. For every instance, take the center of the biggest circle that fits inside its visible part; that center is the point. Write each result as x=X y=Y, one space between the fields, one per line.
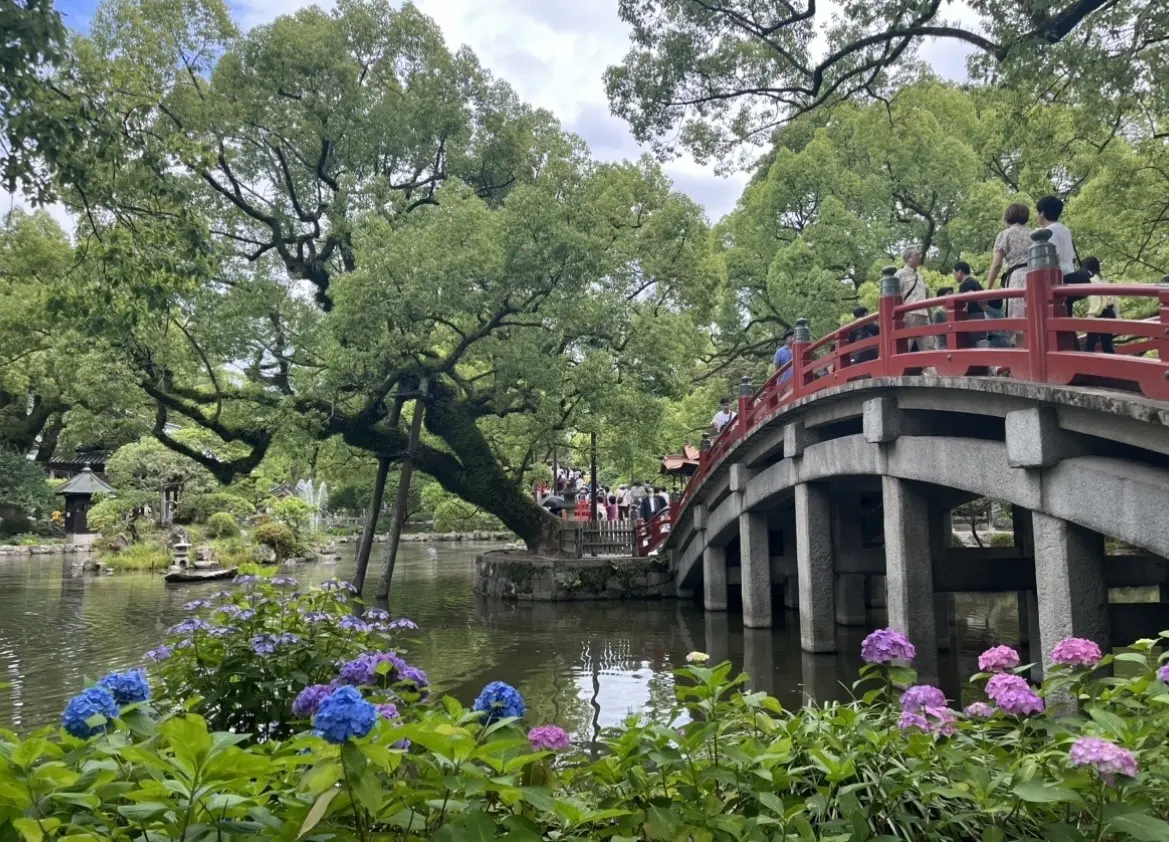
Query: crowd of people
x=1008 y=269
x=636 y=500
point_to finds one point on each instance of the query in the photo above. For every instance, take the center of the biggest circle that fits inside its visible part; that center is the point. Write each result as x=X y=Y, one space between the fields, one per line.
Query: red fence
x=1043 y=350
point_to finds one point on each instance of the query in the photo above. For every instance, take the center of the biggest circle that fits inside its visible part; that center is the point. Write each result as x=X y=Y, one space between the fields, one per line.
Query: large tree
x=707 y=75
x=291 y=229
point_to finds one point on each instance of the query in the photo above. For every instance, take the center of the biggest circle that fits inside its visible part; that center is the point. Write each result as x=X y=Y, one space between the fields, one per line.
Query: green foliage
x=25 y=485
x=293 y=512
x=149 y=465
x=113 y=515
x=716 y=762
x=278 y=536
x=350 y=499
x=147 y=555
x=233 y=552
x=197 y=508
x=16 y=525
x=222 y=525
x=1002 y=539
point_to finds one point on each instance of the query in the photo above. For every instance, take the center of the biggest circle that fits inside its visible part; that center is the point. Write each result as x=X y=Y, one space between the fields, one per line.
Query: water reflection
x=584 y=665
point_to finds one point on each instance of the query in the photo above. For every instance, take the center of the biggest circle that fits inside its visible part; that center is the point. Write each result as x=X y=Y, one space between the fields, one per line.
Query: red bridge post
x=890 y=299
x=800 y=343
x=1042 y=274
x=746 y=393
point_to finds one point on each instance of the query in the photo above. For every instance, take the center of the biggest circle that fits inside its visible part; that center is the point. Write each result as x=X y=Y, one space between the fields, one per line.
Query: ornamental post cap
x=745 y=390
x=1040 y=235
x=889 y=270
x=803 y=331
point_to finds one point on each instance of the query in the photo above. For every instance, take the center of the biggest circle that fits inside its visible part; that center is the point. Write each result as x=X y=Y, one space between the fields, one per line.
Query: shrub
x=147 y=555
x=224 y=501
x=233 y=552
x=278 y=536
x=15 y=525
x=221 y=525
x=457 y=516
x=1002 y=539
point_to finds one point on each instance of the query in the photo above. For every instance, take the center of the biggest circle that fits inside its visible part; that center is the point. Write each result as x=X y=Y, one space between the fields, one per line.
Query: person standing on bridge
x=913 y=290
x=721 y=418
x=1049 y=209
x=784 y=356
x=1099 y=307
x=1011 y=247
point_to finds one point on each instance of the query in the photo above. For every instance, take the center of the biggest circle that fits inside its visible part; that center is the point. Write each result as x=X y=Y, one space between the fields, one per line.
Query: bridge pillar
x=817 y=568
x=850 y=587
x=714 y=578
x=1069 y=577
x=909 y=575
x=755 y=552
x=759 y=659
x=941 y=536
x=791 y=585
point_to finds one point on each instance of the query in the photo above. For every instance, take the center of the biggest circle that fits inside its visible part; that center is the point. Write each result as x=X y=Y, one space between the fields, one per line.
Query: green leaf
x=660 y=823
x=145 y=810
x=539 y=798
x=1122 y=818
x=318 y=811
x=472 y=827
x=1037 y=792
x=1062 y=832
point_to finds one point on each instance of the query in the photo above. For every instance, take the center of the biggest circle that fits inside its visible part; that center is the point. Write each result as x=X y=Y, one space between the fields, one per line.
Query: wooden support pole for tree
x=371 y=518
x=398 y=517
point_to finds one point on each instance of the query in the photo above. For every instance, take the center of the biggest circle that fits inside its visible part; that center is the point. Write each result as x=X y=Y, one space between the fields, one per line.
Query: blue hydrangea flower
x=126 y=687
x=351 y=623
x=236 y=613
x=372 y=614
x=344 y=715
x=223 y=631
x=189 y=626
x=403 y=623
x=196 y=604
x=284 y=581
x=499 y=701
x=316 y=617
x=160 y=654
x=287 y=639
x=263 y=644
x=86 y=705
x=244 y=580
x=338 y=585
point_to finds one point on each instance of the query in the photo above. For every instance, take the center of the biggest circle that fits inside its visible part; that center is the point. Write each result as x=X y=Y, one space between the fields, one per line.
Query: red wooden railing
x=652 y=533
x=1044 y=351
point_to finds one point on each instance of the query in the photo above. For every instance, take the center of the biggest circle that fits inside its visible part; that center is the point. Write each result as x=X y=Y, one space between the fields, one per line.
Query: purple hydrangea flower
x=979 y=710
x=160 y=654
x=287 y=639
x=263 y=644
x=351 y=623
x=196 y=604
x=364 y=668
x=998 y=659
x=922 y=696
x=1106 y=758
x=1163 y=673
x=308 y=701
x=372 y=614
x=189 y=626
x=245 y=580
x=1003 y=682
x=408 y=625
x=1076 y=652
x=223 y=631
x=548 y=738
x=415 y=675
x=935 y=720
x=343 y=715
x=387 y=710
x=910 y=719
x=236 y=613
x=315 y=617
x=338 y=585
x=284 y=581
x=886 y=645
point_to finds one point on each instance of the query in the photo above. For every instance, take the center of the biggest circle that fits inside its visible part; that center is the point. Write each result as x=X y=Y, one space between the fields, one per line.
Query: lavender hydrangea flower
x=364 y=668
x=160 y=653
x=1004 y=682
x=935 y=720
x=886 y=645
x=338 y=585
x=85 y=706
x=284 y=581
x=308 y=700
x=911 y=719
x=245 y=580
x=408 y=625
x=236 y=613
x=287 y=639
x=1013 y=694
x=221 y=632
x=922 y=696
x=263 y=644
x=343 y=715
x=1163 y=673
x=979 y=710
x=372 y=614
x=415 y=675
x=126 y=687
x=196 y=604
x=351 y=623
x=1076 y=652
x=1108 y=759
x=190 y=626
x=387 y=710
x=548 y=738
x=998 y=659
x=315 y=617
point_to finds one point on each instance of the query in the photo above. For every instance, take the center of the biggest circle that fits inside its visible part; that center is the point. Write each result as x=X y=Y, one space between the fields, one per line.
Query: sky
x=553 y=52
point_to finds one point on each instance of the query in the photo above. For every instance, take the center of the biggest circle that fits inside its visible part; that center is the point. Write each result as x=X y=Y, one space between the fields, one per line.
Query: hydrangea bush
x=898 y=763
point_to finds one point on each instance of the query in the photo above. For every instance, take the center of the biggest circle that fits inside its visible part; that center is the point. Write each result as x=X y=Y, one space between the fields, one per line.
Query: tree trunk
x=371 y=518
x=401 y=502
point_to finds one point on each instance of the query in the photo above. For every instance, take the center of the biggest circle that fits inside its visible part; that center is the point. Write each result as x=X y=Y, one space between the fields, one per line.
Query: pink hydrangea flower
x=1163 y=673
x=1106 y=758
x=922 y=696
x=934 y=720
x=549 y=738
x=1013 y=694
x=998 y=659
x=885 y=646
x=979 y=710
x=1076 y=652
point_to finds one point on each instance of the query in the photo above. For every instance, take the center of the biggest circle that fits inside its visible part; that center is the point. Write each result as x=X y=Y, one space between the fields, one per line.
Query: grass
x=148 y=555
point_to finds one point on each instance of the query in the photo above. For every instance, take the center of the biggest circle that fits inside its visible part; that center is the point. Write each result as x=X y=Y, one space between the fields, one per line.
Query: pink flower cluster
x=998 y=659
x=1013 y=694
x=1163 y=673
x=922 y=696
x=1076 y=652
x=932 y=720
x=1106 y=758
x=885 y=646
x=548 y=738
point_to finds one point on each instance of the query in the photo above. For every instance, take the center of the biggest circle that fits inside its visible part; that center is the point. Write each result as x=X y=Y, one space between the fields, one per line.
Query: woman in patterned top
x=1011 y=248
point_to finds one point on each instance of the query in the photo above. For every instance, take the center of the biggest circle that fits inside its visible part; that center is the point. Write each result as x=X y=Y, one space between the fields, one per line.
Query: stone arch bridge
x=832 y=491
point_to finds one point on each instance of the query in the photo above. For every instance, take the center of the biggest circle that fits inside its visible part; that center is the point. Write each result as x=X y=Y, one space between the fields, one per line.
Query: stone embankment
x=44 y=549
x=435 y=537
x=515 y=575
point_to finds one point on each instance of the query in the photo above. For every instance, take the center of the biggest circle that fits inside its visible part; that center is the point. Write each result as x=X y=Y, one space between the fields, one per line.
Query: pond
x=584 y=665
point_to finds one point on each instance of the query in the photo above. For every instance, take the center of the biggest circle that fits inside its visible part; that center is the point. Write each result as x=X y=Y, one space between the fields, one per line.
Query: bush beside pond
x=281 y=715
